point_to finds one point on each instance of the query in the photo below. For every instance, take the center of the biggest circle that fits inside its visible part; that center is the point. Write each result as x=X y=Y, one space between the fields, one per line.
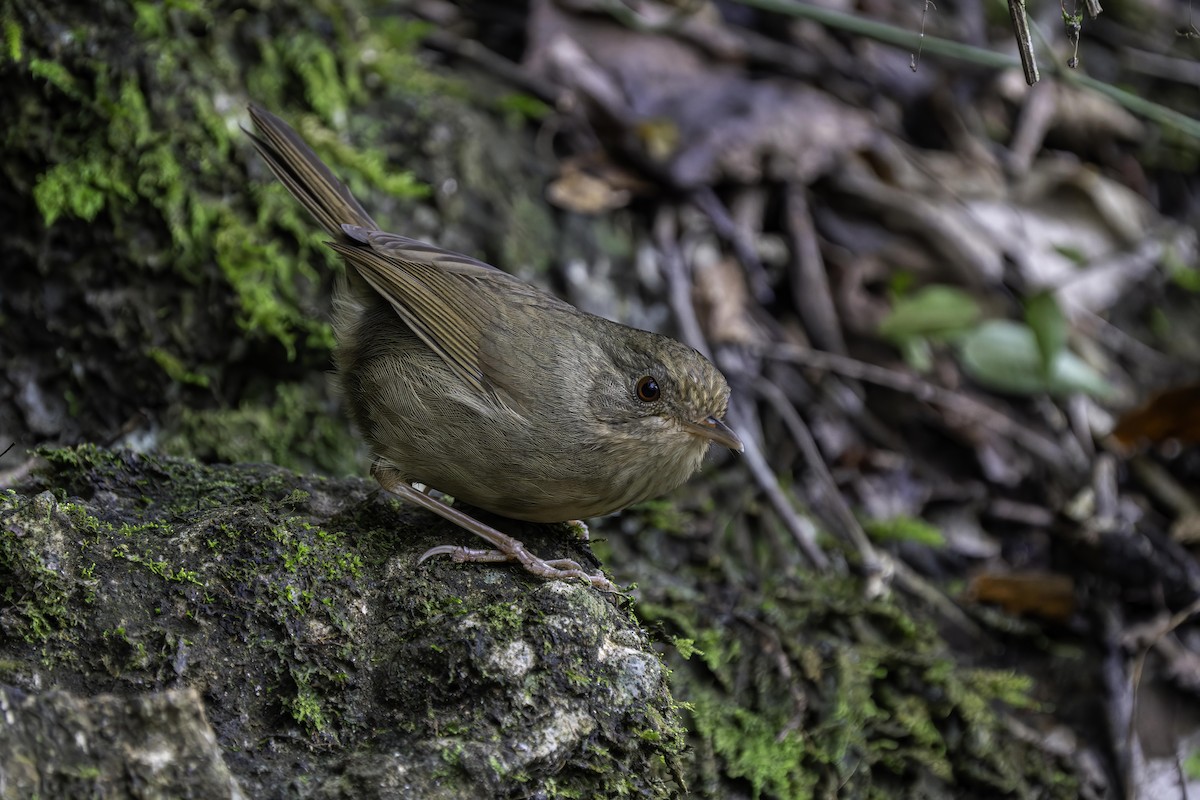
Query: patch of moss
x=175 y=368
x=294 y=431
x=806 y=686
x=132 y=136
x=12 y=38
x=904 y=529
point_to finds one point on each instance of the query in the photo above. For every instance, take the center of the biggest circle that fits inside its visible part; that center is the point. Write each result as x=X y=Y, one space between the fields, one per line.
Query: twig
x=725 y=226
x=678 y=282
x=1020 y=23
x=1050 y=452
x=631 y=19
x=1073 y=23
x=1139 y=665
x=889 y=34
x=843 y=517
x=494 y=64
x=678 y=296
x=1037 y=113
x=810 y=281
x=803 y=531
x=914 y=61
x=1121 y=707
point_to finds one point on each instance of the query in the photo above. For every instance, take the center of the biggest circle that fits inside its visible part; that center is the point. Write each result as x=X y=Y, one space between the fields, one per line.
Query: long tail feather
x=305 y=176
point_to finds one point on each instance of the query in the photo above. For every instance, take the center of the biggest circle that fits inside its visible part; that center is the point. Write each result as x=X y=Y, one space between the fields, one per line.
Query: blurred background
x=960 y=315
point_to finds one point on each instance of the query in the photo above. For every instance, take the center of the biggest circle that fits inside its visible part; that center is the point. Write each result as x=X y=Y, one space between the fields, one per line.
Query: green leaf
x=904 y=529
x=1005 y=356
x=1049 y=327
x=937 y=312
x=916 y=353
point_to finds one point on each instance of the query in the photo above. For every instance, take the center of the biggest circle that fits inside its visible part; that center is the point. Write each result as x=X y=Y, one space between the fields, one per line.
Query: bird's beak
x=717 y=431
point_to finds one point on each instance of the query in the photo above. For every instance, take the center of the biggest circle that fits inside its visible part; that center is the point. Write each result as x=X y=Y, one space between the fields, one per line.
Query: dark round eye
x=647 y=389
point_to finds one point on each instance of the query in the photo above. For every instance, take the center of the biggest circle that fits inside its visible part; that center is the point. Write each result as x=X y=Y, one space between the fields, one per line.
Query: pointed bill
x=717 y=431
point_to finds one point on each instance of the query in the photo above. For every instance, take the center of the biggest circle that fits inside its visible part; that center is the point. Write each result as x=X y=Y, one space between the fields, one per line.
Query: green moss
x=81 y=188
x=292 y=429
x=804 y=686
x=904 y=529
x=56 y=75
x=306 y=707
x=664 y=514
x=36 y=579
x=1191 y=765
x=12 y=39
x=753 y=747
x=502 y=619
x=175 y=368
x=182 y=173
x=520 y=108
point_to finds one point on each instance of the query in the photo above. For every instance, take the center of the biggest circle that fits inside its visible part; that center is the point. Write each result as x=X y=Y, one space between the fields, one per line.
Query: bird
x=464 y=379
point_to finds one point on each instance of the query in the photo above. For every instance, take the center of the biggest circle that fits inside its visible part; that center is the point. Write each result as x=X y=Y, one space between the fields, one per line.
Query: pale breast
x=419 y=417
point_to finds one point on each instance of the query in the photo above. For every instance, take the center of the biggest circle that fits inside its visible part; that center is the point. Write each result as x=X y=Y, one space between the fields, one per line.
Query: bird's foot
x=506 y=548
x=558 y=569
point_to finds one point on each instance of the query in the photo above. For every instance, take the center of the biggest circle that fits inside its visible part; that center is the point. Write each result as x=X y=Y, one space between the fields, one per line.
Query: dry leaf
x=1040 y=594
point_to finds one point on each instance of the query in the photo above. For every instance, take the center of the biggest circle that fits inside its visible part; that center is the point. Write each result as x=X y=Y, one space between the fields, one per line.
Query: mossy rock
x=320 y=657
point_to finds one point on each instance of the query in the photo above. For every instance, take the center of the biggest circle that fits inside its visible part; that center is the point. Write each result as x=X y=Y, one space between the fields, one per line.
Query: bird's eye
x=647 y=389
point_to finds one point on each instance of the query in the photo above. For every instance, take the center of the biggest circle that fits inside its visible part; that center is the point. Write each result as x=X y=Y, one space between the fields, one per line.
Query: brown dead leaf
x=1186 y=529
x=724 y=302
x=682 y=117
x=1047 y=595
x=593 y=188
x=1173 y=414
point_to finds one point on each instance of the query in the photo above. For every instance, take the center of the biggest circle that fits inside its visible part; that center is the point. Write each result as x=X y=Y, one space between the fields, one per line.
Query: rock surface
x=175 y=630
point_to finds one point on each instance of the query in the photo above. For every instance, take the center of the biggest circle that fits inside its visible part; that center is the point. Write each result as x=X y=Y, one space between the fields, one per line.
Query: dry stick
x=1020 y=23
x=1097 y=328
x=1047 y=450
x=879 y=568
x=810 y=290
x=914 y=61
x=857 y=25
x=1139 y=665
x=1036 y=116
x=803 y=531
x=678 y=285
x=631 y=19
x=844 y=517
x=678 y=296
x=1121 y=706
x=495 y=64
x=725 y=226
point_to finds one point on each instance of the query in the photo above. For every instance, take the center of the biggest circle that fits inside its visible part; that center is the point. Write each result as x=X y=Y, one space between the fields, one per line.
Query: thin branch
x=1020 y=23
x=889 y=34
x=843 y=517
x=1052 y=453
x=679 y=297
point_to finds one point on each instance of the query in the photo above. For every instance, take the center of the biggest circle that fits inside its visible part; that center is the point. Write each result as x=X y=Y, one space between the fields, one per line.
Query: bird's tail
x=306 y=176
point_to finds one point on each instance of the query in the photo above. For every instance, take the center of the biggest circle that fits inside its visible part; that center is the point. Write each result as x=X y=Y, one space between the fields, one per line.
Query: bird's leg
x=507 y=548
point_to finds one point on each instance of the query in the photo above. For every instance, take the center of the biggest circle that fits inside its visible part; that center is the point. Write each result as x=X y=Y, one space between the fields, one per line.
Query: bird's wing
x=449 y=300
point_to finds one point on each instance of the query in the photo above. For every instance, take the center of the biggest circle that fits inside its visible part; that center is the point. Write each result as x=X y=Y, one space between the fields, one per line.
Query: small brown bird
x=467 y=380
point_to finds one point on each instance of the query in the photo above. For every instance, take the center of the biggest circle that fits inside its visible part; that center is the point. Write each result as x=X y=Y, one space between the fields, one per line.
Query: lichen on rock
x=290 y=612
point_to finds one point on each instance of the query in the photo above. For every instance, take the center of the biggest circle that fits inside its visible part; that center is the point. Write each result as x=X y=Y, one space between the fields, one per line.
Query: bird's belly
x=421 y=418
